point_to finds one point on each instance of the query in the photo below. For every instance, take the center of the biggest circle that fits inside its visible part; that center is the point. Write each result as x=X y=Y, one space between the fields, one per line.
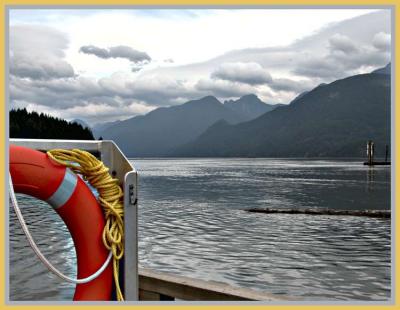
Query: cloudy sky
x=105 y=65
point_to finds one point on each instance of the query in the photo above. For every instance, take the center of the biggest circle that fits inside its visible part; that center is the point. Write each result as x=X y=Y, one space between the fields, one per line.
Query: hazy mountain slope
x=250 y=106
x=163 y=129
x=331 y=120
x=98 y=128
x=80 y=122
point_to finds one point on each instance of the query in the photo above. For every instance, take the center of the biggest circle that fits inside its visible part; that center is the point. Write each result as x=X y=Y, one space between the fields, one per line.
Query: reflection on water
x=192 y=223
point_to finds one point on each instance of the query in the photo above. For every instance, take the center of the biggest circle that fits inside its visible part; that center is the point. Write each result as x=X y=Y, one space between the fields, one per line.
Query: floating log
x=370 y=213
x=377 y=163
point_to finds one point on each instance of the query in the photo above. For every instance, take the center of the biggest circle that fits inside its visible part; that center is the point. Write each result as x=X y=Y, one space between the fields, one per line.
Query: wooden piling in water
x=370 y=155
x=370 y=152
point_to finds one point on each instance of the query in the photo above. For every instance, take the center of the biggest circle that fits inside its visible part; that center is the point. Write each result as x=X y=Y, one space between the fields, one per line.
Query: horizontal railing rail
x=161 y=286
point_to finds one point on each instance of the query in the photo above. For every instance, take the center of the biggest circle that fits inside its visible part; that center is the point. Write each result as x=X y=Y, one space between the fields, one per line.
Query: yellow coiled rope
x=110 y=198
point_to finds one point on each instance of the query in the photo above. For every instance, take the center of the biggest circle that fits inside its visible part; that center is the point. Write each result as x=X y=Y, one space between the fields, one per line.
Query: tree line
x=33 y=125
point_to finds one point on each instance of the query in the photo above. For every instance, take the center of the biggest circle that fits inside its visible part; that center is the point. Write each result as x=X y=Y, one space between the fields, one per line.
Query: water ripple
x=192 y=223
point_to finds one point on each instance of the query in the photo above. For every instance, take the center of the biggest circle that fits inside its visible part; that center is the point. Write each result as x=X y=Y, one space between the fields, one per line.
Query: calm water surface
x=192 y=223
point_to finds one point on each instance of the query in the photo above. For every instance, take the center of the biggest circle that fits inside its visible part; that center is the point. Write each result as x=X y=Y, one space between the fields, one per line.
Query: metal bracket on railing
x=121 y=169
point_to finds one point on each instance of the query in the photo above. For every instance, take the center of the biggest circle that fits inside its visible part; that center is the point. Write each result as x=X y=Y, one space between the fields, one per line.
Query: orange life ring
x=34 y=174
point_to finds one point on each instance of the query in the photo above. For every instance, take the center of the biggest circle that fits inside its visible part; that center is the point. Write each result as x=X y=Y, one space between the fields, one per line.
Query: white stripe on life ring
x=64 y=191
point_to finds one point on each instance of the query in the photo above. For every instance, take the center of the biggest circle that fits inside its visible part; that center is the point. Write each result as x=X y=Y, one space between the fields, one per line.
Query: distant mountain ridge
x=80 y=122
x=250 y=106
x=333 y=119
x=385 y=70
x=98 y=128
x=160 y=131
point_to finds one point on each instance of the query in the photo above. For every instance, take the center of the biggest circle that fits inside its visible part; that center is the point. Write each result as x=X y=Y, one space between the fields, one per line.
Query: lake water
x=192 y=222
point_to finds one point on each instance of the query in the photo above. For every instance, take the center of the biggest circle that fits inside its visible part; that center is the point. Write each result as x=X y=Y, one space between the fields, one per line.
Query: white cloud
x=103 y=112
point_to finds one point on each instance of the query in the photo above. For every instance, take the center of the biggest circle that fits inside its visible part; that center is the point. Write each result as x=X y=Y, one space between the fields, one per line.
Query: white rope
x=39 y=253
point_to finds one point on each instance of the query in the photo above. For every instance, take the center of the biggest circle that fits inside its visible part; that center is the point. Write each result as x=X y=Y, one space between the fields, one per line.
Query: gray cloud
x=382 y=41
x=344 y=57
x=289 y=85
x=94 y=50
x=120 y=51
x=37 y=52
x=244 y=72
x=26 y=66
x=157 y=90
x=136 y=68
x=162 y=90
x=56 y=93
x=342 y=43
x=252 y=74
x=318 y=67
x=223 y=88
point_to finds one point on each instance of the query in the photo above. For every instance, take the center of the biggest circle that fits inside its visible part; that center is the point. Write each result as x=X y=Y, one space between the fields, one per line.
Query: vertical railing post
x=131 y=278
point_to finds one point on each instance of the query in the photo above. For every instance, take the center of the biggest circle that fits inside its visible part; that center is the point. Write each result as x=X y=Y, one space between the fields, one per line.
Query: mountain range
x=249 y=106
x=331 y=120
x=162 y=130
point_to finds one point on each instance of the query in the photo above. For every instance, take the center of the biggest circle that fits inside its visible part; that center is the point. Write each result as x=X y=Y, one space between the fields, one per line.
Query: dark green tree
x=33 y=125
